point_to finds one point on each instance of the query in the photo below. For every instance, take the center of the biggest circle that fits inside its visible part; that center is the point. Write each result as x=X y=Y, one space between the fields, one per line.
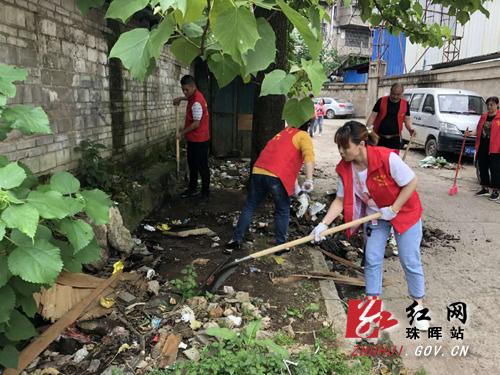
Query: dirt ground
x=460 y=265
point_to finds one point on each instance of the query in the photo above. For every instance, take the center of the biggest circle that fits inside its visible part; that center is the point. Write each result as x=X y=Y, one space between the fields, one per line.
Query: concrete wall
x=355 y=93
x=85 y=95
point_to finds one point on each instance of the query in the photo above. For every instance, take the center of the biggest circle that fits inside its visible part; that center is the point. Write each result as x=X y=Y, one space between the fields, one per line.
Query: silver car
x=336 y=107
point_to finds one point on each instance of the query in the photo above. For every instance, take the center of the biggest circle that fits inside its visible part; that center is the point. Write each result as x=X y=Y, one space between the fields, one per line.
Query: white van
x=440 y=117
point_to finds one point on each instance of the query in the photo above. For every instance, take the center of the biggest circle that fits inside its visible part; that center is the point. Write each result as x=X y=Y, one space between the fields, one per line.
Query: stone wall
x=355 y=93
x=85 y=95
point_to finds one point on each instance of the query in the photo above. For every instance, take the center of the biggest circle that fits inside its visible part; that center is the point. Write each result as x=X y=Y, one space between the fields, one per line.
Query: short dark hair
x=397 y=85
x=187 y=80
x=493 y=99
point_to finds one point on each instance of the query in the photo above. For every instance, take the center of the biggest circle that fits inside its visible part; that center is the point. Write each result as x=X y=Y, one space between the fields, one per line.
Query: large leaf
x=316 y=74
x=194 y=10
x=314 y=42
x=124 y=9
x=9 y=356
x=297 y=112
x=234 y=27
x=64 y=183
x=184 y=50
x=37 y=263
x=20 y=328
x=4 y=271
x=79 y=233
x=277 y=82
x=9 y=74
x=222 y=333
x=160 y=36
x=11 y=176
x=8 y=302
x=133 y=50
x=28 y=305
x=223 y=68
x=23 y=287
x=272 y=346
x=97 y=204
x=27 y=119
x=86 y=5
x=264 y=52
x=23 y=217
x=89 y=253
x=50 y=204
x=71 y=263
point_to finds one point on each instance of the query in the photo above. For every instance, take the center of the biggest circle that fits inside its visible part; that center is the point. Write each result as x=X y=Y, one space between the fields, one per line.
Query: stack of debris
x=230 y=174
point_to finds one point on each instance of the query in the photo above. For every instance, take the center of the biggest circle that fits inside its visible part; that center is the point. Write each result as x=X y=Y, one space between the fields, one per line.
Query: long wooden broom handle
x=177 y=141
x=309 y=238
x=408 y=146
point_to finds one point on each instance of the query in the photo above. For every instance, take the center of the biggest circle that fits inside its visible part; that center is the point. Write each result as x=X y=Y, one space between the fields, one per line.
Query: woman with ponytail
x=375 y=179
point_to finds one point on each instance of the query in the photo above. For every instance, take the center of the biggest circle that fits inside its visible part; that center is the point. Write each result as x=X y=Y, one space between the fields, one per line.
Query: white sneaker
x=421 y=325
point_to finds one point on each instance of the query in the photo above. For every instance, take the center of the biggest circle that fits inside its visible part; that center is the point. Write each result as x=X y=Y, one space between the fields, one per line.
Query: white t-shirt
x=197 y=111
x=401 y=173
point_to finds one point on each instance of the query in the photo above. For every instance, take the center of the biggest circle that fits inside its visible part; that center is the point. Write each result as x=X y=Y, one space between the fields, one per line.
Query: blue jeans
x=409 y=256
x=319 y=124
x=260 y=186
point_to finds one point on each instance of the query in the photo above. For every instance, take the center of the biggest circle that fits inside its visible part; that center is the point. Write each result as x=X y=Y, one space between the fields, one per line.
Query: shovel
x=177 y=140
x=408 y=146
x=454 y=189
x=223 y=271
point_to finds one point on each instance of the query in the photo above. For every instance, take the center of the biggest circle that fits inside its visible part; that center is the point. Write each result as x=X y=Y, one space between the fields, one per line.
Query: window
x=428 y=104
x=461 y=104
x=407 y=97
x=415 y=102
x=327 y=101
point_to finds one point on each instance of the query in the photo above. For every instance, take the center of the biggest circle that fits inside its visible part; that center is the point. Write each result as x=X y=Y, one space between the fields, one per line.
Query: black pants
x=489 y=165
x=197 y=157
x=394 y=142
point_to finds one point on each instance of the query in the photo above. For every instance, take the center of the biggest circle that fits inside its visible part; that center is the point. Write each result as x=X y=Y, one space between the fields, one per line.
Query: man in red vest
x=388 y=116
x=275 y=172
x=197 y=133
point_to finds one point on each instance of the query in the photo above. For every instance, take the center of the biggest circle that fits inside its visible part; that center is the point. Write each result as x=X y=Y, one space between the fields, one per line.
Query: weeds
x=187 y=286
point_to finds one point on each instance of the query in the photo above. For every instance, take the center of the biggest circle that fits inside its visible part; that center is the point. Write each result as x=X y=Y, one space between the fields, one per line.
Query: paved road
x=467 y=274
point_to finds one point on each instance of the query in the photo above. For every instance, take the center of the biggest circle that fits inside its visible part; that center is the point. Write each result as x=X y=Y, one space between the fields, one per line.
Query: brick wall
x=85 y=95
x=355 y=93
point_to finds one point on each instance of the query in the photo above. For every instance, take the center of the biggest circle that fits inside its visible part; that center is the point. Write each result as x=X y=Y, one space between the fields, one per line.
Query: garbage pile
x=230 y=174
x=435 y=163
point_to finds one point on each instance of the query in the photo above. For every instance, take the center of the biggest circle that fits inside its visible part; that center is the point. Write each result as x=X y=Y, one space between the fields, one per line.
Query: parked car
x=440 y=117
x=336 y=107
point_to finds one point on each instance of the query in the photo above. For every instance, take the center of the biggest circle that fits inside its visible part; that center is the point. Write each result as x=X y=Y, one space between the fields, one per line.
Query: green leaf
x=23 y=217
x=124 y=9
x=269 y=344
x=71 y=263
x=11 y=176
x=404 y=5
x=234 y=28
x=316 y=74
x=37 y=263
x=23 y=287
x=223 y=68
x=194 y=10
x=298 y=112
x=79 y=233
x=4 y=271
x=160 y=36
x=28 y=305
x=264 y=52
x=252 y=328
x=3 y=161
x=132 y=49
x=222 y=333
x=9 y=356
x=277 y=82
x=8 y=298
x=184 y=51
x=192 y=30
x=50 y=204
x=3 y=102
x=302 y=25
x=89 y=253
x=27 y=119
x=97 y=204
x=9 y=74
x=20 y=328
x=86 y=5
x=64 y=183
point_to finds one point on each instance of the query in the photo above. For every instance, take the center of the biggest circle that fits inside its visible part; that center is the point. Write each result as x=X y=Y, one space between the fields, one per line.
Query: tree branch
x=205 y=29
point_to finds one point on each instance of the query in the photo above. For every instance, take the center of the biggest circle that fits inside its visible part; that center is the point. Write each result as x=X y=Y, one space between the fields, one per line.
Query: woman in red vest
x=488 y=150
x=275 y=172
x=375 y=179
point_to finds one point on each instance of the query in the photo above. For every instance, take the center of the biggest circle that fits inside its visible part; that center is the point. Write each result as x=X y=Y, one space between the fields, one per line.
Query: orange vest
x=282 y=158
x=494 y=135
x=382 y=188
x=383 y=112
x=202 y=132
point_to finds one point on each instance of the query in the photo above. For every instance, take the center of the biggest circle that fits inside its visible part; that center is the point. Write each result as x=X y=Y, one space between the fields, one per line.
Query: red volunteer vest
x=202 y=132
x=382 y=188
x=282 y=158
x=495 y=133
x=383 y=112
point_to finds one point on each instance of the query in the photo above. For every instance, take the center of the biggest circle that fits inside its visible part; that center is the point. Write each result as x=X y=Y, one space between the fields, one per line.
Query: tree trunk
x=267 y=111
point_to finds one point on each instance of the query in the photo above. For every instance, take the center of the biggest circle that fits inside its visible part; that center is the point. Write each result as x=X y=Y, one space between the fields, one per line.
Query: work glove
x=387 y=213
x=318 y=229
x=308 y=186
x=297 y=190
